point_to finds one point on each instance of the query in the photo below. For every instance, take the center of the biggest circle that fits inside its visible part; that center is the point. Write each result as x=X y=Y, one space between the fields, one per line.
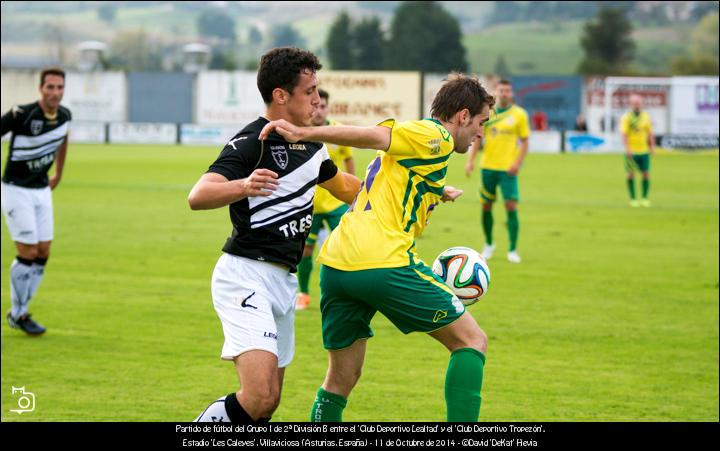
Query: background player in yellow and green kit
x=370 y=262
x=505 y=147
x=639 y=142
x=327 y=209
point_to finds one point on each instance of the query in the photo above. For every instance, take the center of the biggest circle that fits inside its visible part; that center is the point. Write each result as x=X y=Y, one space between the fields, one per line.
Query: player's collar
x=499 y=110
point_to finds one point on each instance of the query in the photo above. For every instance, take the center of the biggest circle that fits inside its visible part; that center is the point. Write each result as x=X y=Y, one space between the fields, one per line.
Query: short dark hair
x=324 y=94
x=51 y=71
x=504 y=81
x=281 y=68
x=459 y=92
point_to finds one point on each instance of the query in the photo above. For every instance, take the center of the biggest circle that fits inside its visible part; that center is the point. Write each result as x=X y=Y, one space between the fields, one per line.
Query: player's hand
x=469 y=167
x=450 y=194
x=262 y=182
x=54 y=181
x=514 y=169
x=290 y=132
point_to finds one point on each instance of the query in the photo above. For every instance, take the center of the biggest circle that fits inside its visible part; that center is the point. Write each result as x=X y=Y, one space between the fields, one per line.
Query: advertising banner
x=96 y=96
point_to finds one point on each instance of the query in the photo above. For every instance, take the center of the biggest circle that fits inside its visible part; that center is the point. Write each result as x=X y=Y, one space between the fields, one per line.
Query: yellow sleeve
x=649 y=122
x=345 y=152
x=523 y=126
x=625 y=124
x=413 y=139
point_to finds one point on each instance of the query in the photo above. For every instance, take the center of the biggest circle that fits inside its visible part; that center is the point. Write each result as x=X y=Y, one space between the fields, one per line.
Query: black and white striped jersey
x=273 y=228
x=35 y=139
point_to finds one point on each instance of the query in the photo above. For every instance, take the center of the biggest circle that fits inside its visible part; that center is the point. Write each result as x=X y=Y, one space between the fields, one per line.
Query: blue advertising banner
x=160 y=97
x=558 y=97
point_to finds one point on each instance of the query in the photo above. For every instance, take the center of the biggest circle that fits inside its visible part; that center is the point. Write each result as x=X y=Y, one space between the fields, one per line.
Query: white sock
x=214 y=413
x=21 y=275
x=37 y=277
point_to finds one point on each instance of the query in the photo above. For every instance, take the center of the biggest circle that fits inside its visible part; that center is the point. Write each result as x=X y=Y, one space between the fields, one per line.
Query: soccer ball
x=465 y=271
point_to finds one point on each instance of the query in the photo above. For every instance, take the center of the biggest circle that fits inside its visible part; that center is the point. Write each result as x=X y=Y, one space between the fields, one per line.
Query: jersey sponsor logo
x=40 y=163
x=440 y=314
x=434 y=146
x=244 y=303
x=270 y=335
x=36 y=126
x=297 y=147
x=280 y=156
x=294 y=227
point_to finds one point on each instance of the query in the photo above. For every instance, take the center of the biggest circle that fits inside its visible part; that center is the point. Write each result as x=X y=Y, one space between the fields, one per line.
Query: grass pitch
x=612 y=316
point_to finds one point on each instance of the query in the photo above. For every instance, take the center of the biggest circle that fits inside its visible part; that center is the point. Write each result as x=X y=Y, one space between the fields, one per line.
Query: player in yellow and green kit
x=369 y=262
x=636 y=129
x=327 y=209
x=504 y=150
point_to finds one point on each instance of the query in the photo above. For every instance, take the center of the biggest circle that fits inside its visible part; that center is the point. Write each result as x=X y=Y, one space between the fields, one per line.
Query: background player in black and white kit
x=269 y=187
x=39 y=139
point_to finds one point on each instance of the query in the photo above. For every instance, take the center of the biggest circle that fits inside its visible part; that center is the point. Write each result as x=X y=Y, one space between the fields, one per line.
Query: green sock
x=631 y=188
x=303 y=271
x=645 y=187
x=487 y=223
x=463 y=382
x=327 y=407
x=513 y=225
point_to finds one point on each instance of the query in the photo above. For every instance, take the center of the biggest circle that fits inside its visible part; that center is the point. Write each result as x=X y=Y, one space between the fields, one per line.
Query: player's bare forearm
x=375 y=137
x=215 y=191
x=59 y=165
x=350 y=165
x=472 y=155
x=651 y=143
x=343 y=186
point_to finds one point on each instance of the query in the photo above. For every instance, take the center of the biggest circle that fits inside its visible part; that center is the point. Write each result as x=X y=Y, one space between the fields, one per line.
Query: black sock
x=235 y=412
x=41 y=261
x=24 y=261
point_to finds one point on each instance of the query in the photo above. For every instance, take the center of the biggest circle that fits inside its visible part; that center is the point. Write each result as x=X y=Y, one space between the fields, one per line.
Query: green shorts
x=491 y=179
x=413 y=298
x=331 y=218
x=638 y=162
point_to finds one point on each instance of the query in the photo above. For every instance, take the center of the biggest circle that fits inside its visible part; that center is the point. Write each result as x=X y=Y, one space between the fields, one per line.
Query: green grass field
x=612 y=316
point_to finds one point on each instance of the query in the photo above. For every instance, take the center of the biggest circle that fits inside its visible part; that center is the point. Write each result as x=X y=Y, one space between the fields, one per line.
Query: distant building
x=196 y=57
x=92 y=54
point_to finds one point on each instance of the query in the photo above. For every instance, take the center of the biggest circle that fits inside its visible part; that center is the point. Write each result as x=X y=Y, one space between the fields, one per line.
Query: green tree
x=287 y=36
x=425 y=37
x=339 y=43
x=254 y=36
x=702 y=55
x=501 y=67
x=607 y=42
x=134 y=50
x=212 y=23
x=369 y=45
x=222 y=60
x=107 y=12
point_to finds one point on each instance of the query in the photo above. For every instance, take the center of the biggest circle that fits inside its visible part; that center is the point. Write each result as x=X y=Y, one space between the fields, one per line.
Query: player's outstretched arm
x=376 y=137
x=214 y=190
x=343 y=186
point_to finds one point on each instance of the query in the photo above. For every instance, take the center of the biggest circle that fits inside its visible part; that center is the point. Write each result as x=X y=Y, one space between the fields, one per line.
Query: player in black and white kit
x=269 y=187
x=39 y=139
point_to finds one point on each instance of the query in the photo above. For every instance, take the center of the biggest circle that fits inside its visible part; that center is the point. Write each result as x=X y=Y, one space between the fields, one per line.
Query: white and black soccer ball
x=465 y=271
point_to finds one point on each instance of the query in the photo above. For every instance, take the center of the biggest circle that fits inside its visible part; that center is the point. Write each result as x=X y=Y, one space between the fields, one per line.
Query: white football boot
x=488 y=250
x=513 y=257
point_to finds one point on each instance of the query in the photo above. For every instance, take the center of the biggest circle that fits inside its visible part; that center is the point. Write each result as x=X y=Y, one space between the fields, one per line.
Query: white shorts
x=255 y=302
x=28 y=213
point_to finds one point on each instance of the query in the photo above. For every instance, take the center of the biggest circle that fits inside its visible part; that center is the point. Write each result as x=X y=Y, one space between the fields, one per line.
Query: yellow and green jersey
x=502 y=134
x=637 y=127
x=402 y=186
x=325 y=202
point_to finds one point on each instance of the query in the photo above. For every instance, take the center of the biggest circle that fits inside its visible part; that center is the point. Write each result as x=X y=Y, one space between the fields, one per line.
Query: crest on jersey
x=36 y=126
x=280 y=155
